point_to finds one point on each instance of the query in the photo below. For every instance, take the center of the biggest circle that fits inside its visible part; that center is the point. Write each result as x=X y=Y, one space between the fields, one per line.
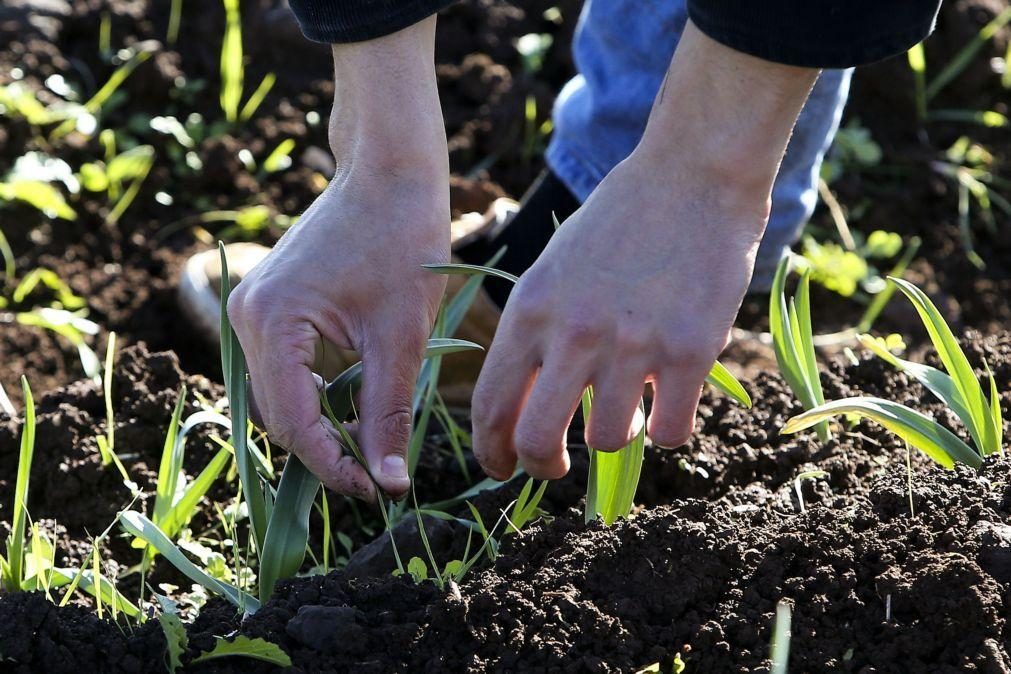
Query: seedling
x=12 y=564
x=790 y=325
x=614 y=476
x=959 y=389
x=233 y=70
x=279 y=520
x=131 y=166
x=779 y=649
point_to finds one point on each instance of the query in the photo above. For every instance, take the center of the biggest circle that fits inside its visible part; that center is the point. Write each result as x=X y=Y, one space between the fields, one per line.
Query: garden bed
x=887 y=569
x=881 y=578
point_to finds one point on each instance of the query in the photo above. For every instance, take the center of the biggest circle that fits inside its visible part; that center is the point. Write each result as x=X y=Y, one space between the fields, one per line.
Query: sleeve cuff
x=816 y=34
x=340 y=21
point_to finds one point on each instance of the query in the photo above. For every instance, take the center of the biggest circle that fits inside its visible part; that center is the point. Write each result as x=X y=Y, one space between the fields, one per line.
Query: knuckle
x=581 y=329
x=395 y=425
x=633 y=341
x=535 y=445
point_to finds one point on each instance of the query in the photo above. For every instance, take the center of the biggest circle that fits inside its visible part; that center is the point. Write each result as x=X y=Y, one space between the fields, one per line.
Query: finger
x=501 y=391
x=287 y=398
x=389 y=372
x=254 y=409
x=614 y=420
x=540 y=436
x=676 y=398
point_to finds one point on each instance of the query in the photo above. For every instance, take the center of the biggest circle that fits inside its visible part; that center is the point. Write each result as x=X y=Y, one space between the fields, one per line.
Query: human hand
x=350 y=271
x=643 y=282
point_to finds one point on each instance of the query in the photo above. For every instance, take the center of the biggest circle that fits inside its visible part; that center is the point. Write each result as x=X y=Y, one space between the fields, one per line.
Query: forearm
x=728 y=113
x=386 y=114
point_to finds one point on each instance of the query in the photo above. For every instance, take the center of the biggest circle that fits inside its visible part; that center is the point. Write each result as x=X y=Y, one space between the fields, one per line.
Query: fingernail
x=395 y=466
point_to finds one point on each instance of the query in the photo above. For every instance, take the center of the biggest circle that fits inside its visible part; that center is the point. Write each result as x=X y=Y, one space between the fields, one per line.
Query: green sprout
x=790 y=325
x=12 y=563
x=233 y=70
x=958 y=388
x=131 y=166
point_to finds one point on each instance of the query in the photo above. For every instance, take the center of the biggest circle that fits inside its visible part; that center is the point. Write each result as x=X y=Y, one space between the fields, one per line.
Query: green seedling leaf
x=258 y=649
x=779 y=649
x=234 y=370
x=790 y=325
x=186 y=507
x=418 y=569
x=13 y=577
x=176 y=640
x=40 y=195
x=51 y=280
x=171 y=465
x=979 y=418
x=917 y=429
x=288 y=528
x=232 y=68
x=137 y=524
x=280 y=158
x=470 y=269
x=614 y=476
x=964 y=57
x=720 y=378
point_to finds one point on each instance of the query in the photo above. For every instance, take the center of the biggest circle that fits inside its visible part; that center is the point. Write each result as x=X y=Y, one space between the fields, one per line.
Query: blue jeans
x=622 y=50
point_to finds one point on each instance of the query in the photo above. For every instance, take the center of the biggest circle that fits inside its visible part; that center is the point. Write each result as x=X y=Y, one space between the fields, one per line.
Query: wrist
x=729 y=113
x=386 y=114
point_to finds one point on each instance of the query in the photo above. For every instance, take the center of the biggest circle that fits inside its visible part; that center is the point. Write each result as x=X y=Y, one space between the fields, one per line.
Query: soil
x=720 y=539
x=721 y=535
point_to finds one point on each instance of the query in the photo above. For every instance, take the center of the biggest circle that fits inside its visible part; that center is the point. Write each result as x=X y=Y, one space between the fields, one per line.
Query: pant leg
x=622 y=49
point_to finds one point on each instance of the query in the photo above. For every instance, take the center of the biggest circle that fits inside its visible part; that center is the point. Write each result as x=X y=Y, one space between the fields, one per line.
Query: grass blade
x=720 y=378
x=614 y=476
x=235 y=388
x=964 y=57
x=14 y=568
x=917 y=429
x=288 y=530
x=957 y=365
x=471 y=269
x=139 y=525
x=232 y=68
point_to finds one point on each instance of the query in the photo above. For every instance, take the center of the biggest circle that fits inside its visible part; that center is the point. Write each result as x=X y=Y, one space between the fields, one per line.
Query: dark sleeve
x=816 y=33
x=357 y=20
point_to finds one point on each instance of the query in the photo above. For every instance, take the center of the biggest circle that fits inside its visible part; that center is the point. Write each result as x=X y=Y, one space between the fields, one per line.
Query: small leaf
x=258 y=649
x=470 y=270
x=176 y=640
x=917 y=429
x=720 y=378
x=418 y=569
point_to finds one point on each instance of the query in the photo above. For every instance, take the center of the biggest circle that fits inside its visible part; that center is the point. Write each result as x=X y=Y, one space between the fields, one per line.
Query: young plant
x=12 y=564
x=233 y=70
x=792 y=339
x=614 y=476
x=110 y=176
x=279 y=520
x=959 y=389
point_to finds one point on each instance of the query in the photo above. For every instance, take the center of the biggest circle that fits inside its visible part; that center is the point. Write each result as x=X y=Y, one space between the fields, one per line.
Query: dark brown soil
x=698 y=572
x=722 y=535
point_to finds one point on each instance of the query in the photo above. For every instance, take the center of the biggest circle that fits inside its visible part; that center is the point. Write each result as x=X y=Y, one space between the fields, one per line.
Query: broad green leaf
x=137 y=524
x=470 y=269
x=418 y=569
x=258 y=649
x=917 y=429
x=288 y=528
x=614 y=476
x=720 y=378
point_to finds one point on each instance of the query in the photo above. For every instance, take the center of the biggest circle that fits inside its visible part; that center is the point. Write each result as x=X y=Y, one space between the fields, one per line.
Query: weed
x=233 y=70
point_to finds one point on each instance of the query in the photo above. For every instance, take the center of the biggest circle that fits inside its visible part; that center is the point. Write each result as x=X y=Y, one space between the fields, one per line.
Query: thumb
x=389 y=372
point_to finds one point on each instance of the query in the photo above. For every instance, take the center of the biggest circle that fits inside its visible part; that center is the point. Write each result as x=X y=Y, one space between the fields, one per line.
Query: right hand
x=350 y=270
